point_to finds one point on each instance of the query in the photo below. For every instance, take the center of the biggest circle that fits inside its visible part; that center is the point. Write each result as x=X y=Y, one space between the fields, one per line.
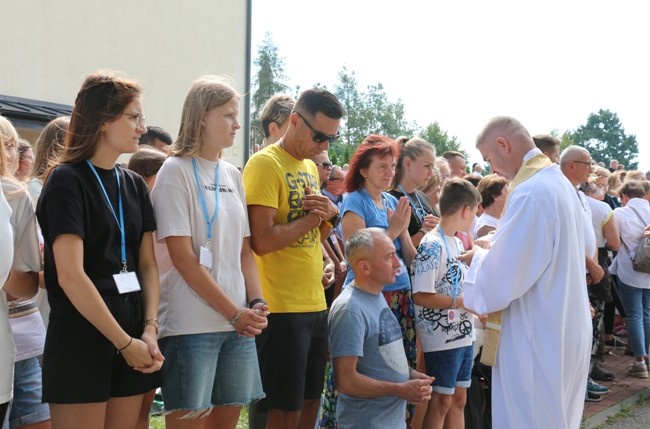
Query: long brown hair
x=102 y=98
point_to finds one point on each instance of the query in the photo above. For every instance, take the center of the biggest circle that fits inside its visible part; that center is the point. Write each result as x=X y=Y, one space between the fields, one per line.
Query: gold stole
x=493 y=326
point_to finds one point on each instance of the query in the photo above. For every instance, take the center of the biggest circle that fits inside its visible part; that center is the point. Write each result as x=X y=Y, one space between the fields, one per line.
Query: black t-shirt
x=419 y=208
x=72 y=202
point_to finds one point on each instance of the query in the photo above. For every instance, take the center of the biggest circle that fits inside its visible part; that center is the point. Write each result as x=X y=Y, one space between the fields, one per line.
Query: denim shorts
x=26 y=407
x=206 y=370
x=451 y=368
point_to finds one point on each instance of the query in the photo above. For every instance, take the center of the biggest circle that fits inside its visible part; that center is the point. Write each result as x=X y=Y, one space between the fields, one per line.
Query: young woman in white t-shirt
x=211 y=302
x=6 y=258
x=27 y=328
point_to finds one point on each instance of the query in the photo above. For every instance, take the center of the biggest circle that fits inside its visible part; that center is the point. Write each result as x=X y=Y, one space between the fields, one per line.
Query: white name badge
x=126 y=282
x=451 y=315
x=205 y=257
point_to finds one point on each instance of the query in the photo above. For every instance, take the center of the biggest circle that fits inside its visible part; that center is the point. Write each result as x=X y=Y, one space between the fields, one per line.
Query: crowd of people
x=362 y=295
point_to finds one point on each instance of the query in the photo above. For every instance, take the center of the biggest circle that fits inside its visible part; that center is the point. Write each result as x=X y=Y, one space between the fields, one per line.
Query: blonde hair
x=410 y=148
x=7 y=133
x=614 y=182
x=634 y=175
x=601 y=172
x=49 y=146
x=205 y=94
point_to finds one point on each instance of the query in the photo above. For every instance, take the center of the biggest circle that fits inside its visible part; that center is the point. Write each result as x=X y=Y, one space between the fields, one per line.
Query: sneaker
x=593 y=397
x=603 y=351
x=638 y=371
x=599 y=374
x=596 y=388
x=614 y=343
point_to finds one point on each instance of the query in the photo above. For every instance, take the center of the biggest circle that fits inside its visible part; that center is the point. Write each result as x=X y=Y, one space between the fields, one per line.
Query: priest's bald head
x=503 y=143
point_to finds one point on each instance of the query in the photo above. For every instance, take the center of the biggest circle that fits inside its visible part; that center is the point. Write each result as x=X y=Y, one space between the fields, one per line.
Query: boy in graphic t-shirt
x=444 y=327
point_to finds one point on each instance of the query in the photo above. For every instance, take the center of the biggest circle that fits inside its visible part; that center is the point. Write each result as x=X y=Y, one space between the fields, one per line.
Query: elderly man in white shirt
x=633 y=286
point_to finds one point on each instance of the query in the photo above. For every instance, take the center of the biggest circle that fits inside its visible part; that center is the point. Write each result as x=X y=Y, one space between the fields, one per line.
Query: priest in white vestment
x=534 y=272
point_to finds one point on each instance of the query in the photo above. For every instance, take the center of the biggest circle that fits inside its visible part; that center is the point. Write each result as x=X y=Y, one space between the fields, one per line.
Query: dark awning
x=32 y=114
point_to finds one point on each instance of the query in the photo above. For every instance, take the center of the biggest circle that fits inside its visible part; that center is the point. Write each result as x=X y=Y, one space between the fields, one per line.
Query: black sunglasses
x=318 y=136
x=325 y=164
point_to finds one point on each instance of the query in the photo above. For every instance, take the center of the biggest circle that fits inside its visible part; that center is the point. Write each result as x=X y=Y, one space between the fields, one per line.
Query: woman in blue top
x=371 y=172
x=367 y=205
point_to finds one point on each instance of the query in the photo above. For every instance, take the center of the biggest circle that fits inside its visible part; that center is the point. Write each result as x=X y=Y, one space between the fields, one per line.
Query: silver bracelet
x=235 y=319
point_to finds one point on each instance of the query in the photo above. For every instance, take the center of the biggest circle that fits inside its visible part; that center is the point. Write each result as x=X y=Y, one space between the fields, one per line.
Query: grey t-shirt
x=361 y=324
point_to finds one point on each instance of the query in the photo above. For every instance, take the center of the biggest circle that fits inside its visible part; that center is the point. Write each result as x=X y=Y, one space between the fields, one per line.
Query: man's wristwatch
x=334 y=221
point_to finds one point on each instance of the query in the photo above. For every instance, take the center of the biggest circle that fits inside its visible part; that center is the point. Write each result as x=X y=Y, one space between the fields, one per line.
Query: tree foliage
x=565 y=141
x=369 y=111
x=269 y=80
x=435 y=135
x=604 y=137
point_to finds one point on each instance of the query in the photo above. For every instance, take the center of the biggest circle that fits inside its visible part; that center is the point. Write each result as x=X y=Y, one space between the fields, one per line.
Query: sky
x=549 y=64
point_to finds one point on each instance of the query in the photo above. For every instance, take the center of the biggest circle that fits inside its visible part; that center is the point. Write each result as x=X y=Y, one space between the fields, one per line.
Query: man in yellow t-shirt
x=288 y=219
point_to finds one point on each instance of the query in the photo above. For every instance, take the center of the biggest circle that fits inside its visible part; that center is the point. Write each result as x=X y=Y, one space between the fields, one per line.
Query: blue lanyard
x=419 y=209
x=208 y=221
x=454 y=279
x=120 y=221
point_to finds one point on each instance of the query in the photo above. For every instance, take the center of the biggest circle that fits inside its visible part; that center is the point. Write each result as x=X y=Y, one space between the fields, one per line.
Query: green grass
x=625 y=412
x=158 y=422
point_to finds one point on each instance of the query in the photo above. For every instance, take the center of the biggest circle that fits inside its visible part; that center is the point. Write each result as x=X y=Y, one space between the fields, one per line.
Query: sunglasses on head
x=318 y=136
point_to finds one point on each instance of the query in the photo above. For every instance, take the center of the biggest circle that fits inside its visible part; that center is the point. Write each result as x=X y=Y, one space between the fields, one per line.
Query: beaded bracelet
x=235 y=319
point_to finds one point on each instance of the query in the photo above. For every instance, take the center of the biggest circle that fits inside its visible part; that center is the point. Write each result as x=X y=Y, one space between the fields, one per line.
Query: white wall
x=48 y=46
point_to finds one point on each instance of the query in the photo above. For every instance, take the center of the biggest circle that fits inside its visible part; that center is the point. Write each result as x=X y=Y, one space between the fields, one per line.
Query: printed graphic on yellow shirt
x=296 y=185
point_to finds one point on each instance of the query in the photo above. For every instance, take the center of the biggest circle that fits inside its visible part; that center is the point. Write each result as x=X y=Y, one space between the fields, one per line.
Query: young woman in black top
x=101 y=352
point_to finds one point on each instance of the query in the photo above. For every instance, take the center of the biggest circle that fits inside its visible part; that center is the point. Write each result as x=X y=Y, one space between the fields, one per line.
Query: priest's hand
x=466 y=257
x=484 y=241
x=596 y=272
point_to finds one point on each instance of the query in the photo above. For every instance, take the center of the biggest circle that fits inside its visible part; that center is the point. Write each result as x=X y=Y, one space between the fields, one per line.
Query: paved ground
x=636 y=419
x=624 y=393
